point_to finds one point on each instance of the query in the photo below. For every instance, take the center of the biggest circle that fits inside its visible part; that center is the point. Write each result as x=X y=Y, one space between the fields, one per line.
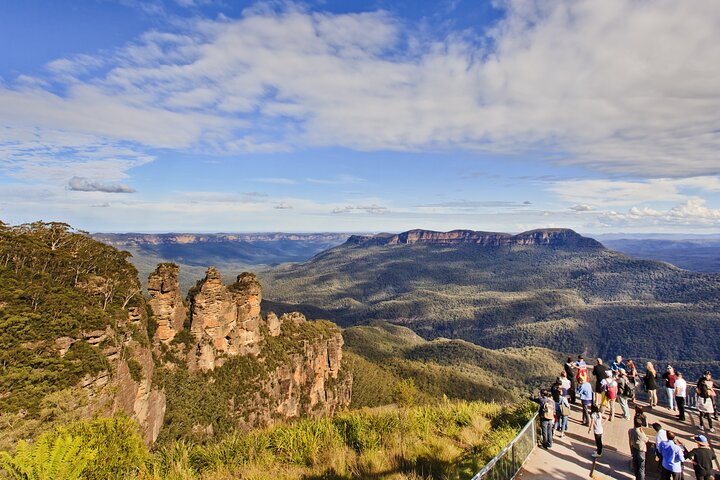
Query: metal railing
x=510 y=460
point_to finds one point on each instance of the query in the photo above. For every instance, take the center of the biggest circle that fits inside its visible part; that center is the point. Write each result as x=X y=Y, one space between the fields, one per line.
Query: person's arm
x=592 y=423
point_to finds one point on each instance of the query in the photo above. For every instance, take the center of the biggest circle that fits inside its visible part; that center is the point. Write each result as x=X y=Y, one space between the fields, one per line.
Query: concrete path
x=571 y=456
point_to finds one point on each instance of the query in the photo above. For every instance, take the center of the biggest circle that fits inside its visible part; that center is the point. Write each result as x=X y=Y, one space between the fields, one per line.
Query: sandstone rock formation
x=225 y=320
x=166 y=302
x=548 y=236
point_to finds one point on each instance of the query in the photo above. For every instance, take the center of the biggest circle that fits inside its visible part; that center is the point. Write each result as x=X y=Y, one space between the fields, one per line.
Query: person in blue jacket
x=585 y=394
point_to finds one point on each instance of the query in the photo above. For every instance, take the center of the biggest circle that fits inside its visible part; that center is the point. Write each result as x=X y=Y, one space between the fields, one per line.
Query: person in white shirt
x=680 y=394
x=659 y=438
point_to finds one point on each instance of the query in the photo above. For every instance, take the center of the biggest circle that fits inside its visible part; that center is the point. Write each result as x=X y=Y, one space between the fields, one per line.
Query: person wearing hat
x=624 y=392
x=702 y=457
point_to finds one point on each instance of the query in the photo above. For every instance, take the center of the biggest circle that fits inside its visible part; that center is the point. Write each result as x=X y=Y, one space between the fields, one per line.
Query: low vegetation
x=447 y=440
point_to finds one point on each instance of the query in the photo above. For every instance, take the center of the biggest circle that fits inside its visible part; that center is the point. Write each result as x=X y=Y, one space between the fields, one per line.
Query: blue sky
x=210 y=115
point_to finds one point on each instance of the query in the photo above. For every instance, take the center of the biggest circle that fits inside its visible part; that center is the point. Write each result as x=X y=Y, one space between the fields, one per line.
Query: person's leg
x=611 y=404
x=598 y=441
x=640 y=466
x=710 y=423
x=572 y=391
x=585 y=414
x=669 y=393
x=563 y=425
x=624 y=407
x=680 y=401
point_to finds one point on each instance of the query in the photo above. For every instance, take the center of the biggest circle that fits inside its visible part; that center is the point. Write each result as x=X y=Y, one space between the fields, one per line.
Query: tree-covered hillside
x=568 y=299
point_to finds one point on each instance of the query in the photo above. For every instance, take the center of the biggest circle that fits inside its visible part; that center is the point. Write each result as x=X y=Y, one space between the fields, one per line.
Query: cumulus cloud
x=80 y=184
x=582 y=207
x=693 y=212
x=283 y=206
x=620 y=86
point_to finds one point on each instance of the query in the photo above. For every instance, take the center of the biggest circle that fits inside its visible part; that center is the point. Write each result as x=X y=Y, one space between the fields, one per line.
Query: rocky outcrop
x=166 y=302
x=286 y=366
x=310 y=383
x=549 y=236
x=225 y=321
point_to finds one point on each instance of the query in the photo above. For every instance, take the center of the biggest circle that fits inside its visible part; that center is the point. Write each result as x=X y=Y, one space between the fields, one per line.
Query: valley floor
x=570 y=457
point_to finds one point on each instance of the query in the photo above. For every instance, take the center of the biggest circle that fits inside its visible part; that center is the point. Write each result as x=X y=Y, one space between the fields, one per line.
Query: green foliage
x=55 y=282
x=52 y=457
x=443 y=441
x=120 y=451
x=405 y=394
x=135 y=369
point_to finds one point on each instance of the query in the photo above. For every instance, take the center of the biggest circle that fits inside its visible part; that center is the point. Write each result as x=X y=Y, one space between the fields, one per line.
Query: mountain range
x=550 y=288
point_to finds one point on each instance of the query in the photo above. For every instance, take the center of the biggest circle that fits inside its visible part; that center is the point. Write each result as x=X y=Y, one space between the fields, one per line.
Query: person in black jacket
x=702 y=457
x=599 y=371
x=570 y=374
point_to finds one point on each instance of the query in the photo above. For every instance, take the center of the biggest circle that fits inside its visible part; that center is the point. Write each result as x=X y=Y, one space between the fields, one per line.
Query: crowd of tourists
x=601 y=390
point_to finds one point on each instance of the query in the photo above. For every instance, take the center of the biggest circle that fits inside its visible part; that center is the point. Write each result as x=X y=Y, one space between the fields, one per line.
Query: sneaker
x=597 y=455
x=701 y=428
x=712 y=430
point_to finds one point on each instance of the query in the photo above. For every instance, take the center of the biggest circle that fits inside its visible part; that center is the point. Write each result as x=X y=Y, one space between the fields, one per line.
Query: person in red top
x=670 y=378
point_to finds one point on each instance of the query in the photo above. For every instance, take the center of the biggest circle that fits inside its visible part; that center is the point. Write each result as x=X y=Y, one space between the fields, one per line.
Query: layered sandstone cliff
x=166 y=302
x=548 y=236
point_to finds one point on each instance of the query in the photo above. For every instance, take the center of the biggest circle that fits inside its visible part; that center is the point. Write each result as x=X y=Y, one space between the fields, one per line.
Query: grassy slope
x=382 y=354
x=592 y=300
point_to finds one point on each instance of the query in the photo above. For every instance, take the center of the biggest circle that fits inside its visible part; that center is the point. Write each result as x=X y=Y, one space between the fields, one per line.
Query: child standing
x=596 y=426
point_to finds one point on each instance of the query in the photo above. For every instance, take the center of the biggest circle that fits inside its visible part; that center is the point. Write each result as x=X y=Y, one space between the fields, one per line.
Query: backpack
x=611 y=390
x=548 y=410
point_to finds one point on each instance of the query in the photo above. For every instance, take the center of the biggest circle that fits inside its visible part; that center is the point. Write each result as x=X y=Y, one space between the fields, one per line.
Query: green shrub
x=52 y=457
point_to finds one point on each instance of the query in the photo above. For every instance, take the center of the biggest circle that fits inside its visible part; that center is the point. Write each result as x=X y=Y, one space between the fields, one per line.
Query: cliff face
x=552 y=237
x=263 y=369
x=166 y=302
x=225 y=321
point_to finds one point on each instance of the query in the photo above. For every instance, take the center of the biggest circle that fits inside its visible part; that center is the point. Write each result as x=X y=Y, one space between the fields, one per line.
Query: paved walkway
x=571 y=456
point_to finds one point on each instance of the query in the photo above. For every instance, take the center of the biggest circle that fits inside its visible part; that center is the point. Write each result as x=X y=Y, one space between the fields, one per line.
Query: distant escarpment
x=233 y=367
x=547 y=236
x=549 y=288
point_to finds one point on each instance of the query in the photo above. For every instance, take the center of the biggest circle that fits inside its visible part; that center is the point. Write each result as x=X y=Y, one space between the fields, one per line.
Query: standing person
x=638 y=447
x=566 y=386
x=617 y=364
x=705 y=407
x=596 y=426
x=711 y=385
x=599 y=372
x=680 y=394
x=651 y=384
x=702 y=457
x=546 y=412
x=670 y=377
x=624 y=393
x=585 y=392
x=569 y=369
x=609 y=393
x=563 y=412
x=660 y=437
x=672 y=458
x=632 y=373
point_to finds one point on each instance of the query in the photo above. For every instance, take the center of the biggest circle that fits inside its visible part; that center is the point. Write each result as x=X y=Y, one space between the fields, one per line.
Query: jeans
x=561 y=423
x=668 y=475
x=680 y=402
x=709 y=419
x=598 y=443
x=623 y=401
x=671 y=398
x=547 y=433
x=638 y=464
x=586 y=411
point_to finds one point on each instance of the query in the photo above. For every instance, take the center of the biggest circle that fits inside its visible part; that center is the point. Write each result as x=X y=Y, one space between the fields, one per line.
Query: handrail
x=532 y=423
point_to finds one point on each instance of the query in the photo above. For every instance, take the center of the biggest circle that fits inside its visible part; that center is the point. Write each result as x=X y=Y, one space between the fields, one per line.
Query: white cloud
x=692 y=212
x=80 y=184
x=283 y=206
x=618 y=86
x=606 y=193
x=373 y=209
x=582 y=207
